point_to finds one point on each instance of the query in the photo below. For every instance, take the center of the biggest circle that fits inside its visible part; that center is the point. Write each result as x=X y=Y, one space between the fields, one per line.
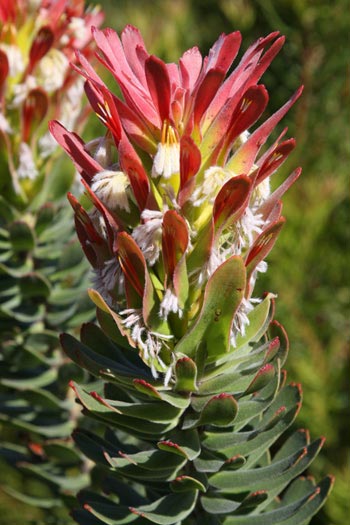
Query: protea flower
x=37 y=43
x=43 y=274
x=181 y=221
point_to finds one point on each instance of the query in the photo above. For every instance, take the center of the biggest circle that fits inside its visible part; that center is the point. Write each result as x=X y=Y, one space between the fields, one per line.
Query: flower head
x=195 y=177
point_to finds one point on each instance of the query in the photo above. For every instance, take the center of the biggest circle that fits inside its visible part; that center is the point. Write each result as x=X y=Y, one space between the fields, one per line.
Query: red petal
x=88 y=71
x=262 y=246
x=243 y=160
x=8 y=11
x=132 y=44
x=131 y=165
x=86 y=232
x=4 y=69
x=142 y=134
x=231 y=201
x=224 y=51
x=33 y=111
x=41 y=44
x=132 y=262
x=135 y=94
x=248 y=71
x=55 y=10
x=111 y=222
x=269 y=204
x=174 y=240
x=190 y=65
x=190 y=162
x=159 y=86
x=248 y=110
x=206 y=92
x=274 y=160
x=266 y=59
x=103 y=103
x=74 y=146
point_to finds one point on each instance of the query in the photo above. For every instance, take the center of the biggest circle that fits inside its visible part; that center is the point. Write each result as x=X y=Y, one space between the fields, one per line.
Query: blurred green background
x=309 y=266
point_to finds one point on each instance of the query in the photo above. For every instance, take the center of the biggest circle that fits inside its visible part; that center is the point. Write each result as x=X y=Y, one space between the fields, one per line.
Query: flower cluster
x=179 y=183
x=38 y=39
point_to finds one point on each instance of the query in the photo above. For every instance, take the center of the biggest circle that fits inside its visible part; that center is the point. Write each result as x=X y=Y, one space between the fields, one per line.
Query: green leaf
x=217 y=505
x=261 y=379
x=39 y=380
x=146 y=388
x=39 y=503
x=259 y=319
x=49 y=431
x=93 y=337
x=62 y=453
x=97 y=364
x=152 y=465
x=183 y=442
x=296 y=513
x=68 y=483
x=44 y=217
x=21 y=236
x=276 y=475
x=213 y=324
x=129 y=424
x=186 y=484
x=108 y=513
x=34 y=285
x=186 y=375
x=210 y=462
x=110 y=328
x=257 y=440
x=220 y=411
x=169 y=509
x=156 y=411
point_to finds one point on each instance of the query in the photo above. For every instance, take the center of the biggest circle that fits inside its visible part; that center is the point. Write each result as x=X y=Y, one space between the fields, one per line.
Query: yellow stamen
x=167 y=159
x=105 y=112
x=245 y=104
